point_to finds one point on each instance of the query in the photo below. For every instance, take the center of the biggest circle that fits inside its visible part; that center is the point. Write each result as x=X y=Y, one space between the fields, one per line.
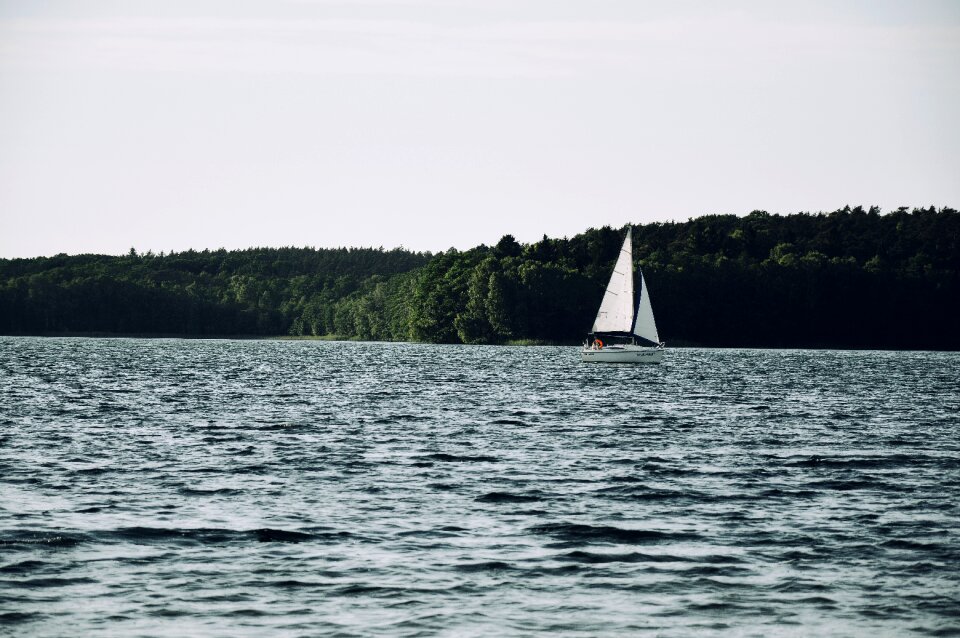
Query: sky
x=167 y=125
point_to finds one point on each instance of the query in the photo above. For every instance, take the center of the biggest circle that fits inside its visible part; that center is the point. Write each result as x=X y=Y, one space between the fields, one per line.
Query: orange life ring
x=598 y=343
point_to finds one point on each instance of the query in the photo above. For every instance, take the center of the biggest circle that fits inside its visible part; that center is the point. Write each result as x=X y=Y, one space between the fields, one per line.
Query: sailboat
x=623 y=332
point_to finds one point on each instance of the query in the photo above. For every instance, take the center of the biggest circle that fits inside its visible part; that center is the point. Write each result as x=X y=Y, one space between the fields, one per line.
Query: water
x=244 y=488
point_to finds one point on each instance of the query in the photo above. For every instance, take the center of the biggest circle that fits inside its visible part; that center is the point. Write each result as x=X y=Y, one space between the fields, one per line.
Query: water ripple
x=168 y=488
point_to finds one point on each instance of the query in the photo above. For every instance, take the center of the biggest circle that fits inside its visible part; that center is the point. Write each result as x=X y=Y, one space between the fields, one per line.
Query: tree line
x=258 y=291
x=850 y=278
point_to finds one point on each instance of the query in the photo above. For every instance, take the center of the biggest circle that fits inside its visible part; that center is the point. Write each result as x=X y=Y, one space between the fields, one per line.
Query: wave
x=506 y=497
x=289 y=584
x=94 y=471
x=23 y=567
x=268 y=535
x=213 y=536
x=579 y=533
x=864 y=463
x=582 y=556
x=488 y=566
x=460 y=458
x=199 y=535
x=43 y=538
x=37 y=583
x=11 y=617
x=643 y=493
x=900 y=543
x=444 y=531
x=844 y=485
x=592 y=558
x=223 y=491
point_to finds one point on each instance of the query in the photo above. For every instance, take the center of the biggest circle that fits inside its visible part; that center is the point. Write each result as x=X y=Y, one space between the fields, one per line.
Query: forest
x=851 y=278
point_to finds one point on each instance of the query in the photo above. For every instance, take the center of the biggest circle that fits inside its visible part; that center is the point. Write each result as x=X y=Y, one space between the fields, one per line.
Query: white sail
x=616 y=309
x=645 y=325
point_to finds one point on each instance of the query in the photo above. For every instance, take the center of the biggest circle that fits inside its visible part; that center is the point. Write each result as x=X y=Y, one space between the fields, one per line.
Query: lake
x=305 y=488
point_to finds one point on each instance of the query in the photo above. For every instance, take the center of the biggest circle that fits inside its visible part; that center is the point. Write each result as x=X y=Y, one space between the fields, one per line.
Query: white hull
x=624 y=354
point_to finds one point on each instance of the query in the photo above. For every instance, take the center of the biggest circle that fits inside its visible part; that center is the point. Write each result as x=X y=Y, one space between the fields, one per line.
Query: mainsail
x=616 y=309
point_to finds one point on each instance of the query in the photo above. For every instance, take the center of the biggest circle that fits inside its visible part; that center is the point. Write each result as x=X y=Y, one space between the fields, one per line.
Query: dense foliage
x=260 y=291
x=851 y=278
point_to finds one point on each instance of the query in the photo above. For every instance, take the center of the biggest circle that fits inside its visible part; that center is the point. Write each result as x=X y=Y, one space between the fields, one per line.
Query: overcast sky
x=167 y=125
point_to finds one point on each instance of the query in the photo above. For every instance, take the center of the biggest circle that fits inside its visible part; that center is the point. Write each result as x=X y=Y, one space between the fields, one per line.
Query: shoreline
x=670 y=345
